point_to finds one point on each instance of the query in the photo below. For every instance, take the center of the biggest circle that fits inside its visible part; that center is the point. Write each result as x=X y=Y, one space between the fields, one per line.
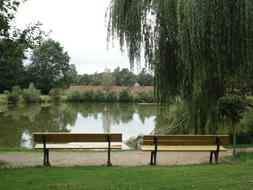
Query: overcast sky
x=80 y=27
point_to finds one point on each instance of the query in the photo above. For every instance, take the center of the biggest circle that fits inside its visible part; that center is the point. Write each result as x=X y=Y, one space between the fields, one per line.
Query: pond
x=17 y=124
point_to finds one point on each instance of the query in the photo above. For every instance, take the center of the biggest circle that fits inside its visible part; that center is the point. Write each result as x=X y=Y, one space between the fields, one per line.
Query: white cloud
x=79 y=25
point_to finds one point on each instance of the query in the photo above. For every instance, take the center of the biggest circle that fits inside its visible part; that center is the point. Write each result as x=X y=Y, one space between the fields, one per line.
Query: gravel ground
x=119 y=158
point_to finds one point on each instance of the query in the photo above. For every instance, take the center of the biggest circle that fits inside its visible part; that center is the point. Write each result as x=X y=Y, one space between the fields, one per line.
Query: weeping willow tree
x=199 y=50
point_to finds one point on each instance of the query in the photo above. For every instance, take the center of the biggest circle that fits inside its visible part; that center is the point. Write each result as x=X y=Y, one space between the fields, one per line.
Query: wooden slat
x=76 y=137
x=179 y=142
x=186 y=139
x=79 y=146
x=182 y=148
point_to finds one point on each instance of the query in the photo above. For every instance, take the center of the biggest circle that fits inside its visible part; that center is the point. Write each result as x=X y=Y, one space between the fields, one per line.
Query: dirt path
x=123 y=158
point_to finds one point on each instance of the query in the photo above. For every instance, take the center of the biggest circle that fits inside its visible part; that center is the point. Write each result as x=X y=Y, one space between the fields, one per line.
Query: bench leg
x=109 y=158
x=46 y=158
x=155 y=154
x=211 y=157
x=216 y=157
x=151 y=158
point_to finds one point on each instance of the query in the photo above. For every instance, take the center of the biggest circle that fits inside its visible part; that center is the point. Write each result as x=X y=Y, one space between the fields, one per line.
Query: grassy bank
x=223 y=176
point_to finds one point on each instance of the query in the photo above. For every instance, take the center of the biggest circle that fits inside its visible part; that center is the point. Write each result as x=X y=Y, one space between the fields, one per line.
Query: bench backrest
x=185 y=139
x=76 y=137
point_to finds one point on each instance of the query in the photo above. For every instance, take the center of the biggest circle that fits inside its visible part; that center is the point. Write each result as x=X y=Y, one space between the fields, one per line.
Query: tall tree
x=199 y=50
x=13 y=45
x=49 y=67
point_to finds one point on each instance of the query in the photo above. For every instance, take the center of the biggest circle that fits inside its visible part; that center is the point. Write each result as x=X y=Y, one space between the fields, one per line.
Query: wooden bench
x=48 y=141
x=184 y=143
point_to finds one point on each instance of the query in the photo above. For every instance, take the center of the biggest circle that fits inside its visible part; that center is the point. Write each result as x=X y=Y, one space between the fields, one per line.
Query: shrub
x=112 y=97
x=31 y=94
x=99 y=96
x=145 y=97
x=74 y=97
x=87 y=96
x=55 y=94
x=134 y=142
x=125 y=96
x=6 y=92
x=15 y=95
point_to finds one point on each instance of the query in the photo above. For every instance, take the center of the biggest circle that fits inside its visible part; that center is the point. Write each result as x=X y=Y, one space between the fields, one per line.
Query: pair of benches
x=151 y=143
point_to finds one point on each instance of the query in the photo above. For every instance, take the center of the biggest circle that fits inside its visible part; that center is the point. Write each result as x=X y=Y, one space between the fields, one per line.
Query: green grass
x=223 y=176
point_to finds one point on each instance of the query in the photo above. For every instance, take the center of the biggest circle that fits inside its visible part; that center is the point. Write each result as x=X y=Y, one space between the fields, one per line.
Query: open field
x=235 y=176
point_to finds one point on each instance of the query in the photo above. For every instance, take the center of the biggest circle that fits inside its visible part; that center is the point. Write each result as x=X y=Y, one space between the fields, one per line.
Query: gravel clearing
x=118 y=158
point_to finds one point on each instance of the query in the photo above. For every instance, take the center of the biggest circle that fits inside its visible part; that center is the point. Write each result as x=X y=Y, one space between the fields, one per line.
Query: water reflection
x=17 y=124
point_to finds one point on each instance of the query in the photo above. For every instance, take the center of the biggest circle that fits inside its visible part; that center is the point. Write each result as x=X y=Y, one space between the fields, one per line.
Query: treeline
x=102 y=96
x=118 y=77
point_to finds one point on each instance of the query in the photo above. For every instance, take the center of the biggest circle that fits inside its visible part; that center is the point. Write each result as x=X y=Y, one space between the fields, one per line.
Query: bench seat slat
x=182 y=148
x=209 y=139
x=178 y=142
x=76 y=137
x=79 y=146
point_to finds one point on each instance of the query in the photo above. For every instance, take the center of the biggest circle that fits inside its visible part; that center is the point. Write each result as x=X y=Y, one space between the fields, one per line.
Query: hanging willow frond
x=199 y=50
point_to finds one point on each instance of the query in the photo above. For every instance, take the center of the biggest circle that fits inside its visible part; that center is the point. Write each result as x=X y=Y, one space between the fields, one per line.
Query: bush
x=6 y=92
x=74 y=97
x=125 y=96
x=134 y=142
x=112 y=97
x=55 y=94
x=31 y=94
x=15 y=95
x=99 y=96
x=87 y=96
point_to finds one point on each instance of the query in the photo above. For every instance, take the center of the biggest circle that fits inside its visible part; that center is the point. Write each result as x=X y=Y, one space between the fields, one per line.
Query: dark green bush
x=99 y=96
x=74 y=97
x=15 y=95
x=112 y=97
x=125 y=96
x=31 y=94
x=87 y=96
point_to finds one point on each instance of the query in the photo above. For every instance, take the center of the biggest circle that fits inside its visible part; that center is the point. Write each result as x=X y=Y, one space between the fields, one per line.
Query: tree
x=230 y=109
x=50 y=67
x=107 y=80
x=13 y=45
x=199 y=50
x=144 y=78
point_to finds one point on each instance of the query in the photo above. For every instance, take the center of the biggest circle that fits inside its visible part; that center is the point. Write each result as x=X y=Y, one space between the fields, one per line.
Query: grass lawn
x=223 y=176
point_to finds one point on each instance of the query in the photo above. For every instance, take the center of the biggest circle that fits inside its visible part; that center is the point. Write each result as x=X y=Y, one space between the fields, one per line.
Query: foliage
x=144 y=78
x=13 y=45
x=112 y=97
x=55 y=94
x=107 y=80
x=192 y=46
x=119 y=77
x=134 y=142
x=125 y=96
x=31 y=94
x=231 y=107
x=87 y=96
x=6 y=92
x=99 y=96
x=15 y=95
x=145 y=97
x=74 y=97
x=50 y=67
